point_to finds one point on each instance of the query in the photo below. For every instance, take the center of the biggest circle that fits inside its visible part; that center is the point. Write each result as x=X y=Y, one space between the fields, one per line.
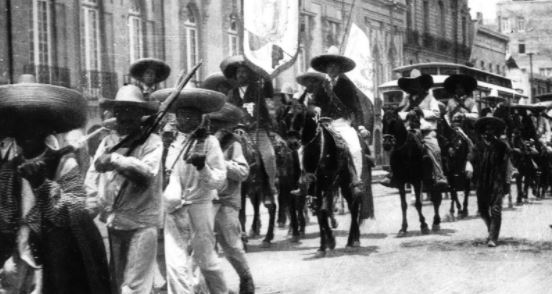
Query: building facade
x=437 y=31
x=489 y=48
x=527 y=24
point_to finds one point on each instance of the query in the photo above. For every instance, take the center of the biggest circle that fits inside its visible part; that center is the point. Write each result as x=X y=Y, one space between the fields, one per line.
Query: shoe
x=246 y=285
x=491 y=244
x=387 y=182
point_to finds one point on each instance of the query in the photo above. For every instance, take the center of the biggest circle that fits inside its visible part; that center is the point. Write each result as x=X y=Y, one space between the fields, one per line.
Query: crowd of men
x=183 y=180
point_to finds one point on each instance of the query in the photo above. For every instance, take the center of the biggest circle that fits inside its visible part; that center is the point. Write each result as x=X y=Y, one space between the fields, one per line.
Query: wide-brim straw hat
x=229 y=115
x=229 y=66
x=161 y=69
x=59 y=108
x=130 y=96
x=467 y=82
x=204 y=100
x=411 y=85
x=214 y=81
x=496 y=123
x=304 y=78
x=321 y=62
x=496 y=99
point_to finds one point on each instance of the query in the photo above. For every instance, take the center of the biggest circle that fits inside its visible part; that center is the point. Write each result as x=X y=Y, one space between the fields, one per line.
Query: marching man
x=150 y=72
x=199 y=171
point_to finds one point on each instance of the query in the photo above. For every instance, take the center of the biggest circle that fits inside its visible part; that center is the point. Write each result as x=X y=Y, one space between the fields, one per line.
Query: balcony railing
x=97 y=84
x=46 y=74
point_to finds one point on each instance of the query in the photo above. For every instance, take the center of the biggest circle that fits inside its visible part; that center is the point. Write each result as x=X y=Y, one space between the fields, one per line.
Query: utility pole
x=530 y=54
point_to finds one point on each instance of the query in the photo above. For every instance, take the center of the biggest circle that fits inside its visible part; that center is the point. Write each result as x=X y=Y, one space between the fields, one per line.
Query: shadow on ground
x=505 y=244
x=358 y=251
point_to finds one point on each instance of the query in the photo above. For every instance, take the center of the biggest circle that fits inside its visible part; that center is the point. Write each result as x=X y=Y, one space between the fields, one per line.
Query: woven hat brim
x=204 y=100
x=410 y=85
x=497 y=123
x=61 y=109
x=148 y=106
x=213 y=82
x=229 y=65
x=228 y=115
x=468 y=83
x=162 y=70
x=321 y=62
x=309 y=76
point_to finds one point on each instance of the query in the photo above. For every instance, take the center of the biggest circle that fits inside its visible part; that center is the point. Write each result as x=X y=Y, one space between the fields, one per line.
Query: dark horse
x=325 y=161
x=256 y=187
x=406 y=159
x=455 y=145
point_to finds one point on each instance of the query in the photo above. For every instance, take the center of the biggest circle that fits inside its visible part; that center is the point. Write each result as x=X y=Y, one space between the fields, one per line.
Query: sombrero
x=303 y=78
x=162 y=70
x=202 y=99
x=482 y=123
x=130 y=96
x=230 y=65
x=496 y=99
x=228 y=115
x=468 y=83
x=411 y=85
x=287 y=88
x=60 y=108
x=214 y=81
x=321 y=62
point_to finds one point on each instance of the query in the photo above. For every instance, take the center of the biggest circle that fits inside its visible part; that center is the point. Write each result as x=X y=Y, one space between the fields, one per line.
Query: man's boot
x=246 y=284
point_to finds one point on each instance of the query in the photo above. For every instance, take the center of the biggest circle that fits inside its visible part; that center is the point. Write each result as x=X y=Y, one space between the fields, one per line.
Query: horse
x=455 y=145
x=407 y=155
x=325 y=166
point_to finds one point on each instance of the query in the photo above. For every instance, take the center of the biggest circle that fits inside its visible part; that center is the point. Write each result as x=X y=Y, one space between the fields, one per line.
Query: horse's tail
x=366 y=206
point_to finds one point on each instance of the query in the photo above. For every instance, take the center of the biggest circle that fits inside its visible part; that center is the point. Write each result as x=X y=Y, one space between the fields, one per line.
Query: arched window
x=233 y=40
x=136 y=32
x=443 y=20
x=41 y=39
x=192 y=42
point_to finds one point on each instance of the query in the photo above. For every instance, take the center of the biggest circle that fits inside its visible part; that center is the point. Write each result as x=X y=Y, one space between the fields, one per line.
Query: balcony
x=428 y=41
x=46 y=74
x=412 y=38
x=98 y=84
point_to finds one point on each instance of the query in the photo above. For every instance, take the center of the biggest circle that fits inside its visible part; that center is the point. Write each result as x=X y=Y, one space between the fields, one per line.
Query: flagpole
x=347 y=28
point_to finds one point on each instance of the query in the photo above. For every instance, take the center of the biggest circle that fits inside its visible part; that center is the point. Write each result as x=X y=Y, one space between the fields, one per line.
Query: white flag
x=271 y=34
x=358 y=49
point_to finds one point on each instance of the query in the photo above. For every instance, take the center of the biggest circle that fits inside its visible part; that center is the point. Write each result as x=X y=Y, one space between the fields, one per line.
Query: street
x=455 y=260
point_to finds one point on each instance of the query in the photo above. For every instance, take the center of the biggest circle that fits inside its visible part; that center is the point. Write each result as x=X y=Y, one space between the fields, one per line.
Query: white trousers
x=347 y=132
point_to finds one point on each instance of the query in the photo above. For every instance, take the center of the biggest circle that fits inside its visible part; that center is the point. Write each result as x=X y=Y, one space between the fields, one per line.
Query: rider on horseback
x=339 y=102
x=250 y=94
x=420 y=102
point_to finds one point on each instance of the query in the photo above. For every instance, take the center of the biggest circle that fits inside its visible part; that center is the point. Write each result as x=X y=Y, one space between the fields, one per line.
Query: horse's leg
x=454 y=201
x=423 y=225
x=519 y=190
x=330 y=239
x=301 y=212
x=283 y=204
x=271 y=220
x=466 y=197
x=353 y=205
x=404 y=207
x=436 y=199
x=293 y=215
x=322 y=249
x=242 y=215
x=256 y=224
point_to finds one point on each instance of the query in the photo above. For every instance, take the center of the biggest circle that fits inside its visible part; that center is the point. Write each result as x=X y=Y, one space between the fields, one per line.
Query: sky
x=487 y=7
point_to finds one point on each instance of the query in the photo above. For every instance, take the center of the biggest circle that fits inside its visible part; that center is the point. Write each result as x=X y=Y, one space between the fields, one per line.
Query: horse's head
x=302 y=124
x=392 y=128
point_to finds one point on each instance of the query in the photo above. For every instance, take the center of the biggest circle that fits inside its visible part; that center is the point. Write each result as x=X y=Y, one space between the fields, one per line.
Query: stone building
x=489 y=48
x=437 y=31
x=527 y=24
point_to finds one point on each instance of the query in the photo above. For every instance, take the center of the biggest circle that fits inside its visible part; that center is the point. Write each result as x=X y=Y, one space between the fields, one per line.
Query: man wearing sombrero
x=125 y=188
x=419 y=101
x=228 y=204
x=312 y=81
x=492 y=156
x=49 y=242
x=150 y=72
x=198 y=171
x=250 y=96
x=460 y=88
x=338 y=101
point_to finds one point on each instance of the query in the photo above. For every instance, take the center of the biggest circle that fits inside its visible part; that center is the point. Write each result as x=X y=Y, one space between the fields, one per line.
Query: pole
x=347 y=27
x=10 y=42
x=531 y=76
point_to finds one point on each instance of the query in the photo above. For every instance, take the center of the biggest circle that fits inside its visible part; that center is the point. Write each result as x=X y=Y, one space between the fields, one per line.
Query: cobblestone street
x=455 y=260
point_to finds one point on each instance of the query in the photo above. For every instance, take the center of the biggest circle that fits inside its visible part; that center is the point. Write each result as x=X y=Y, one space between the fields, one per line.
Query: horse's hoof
x=320 y=253
x=294 y=239
x=253 y=234
x=356 y=244
x=424 y=229
x=266 y=244
x=510 y=205
x=334 y=223
x=401 y=233
x=330 y=253
x=302 y=233
x=281 y=224
x=332 y=243
x=435 y=228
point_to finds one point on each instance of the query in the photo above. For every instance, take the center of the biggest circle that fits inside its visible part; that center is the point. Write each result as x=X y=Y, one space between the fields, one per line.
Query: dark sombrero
x=216 y=80
x=130 y=96
x=204 y=100
x=411 y=85
x=304 y=78
x=229 y=66
x=321 y=62
x=467 y=82
x=496 y=123
x=161 y=69
x=229 y=115
x=60 y=108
